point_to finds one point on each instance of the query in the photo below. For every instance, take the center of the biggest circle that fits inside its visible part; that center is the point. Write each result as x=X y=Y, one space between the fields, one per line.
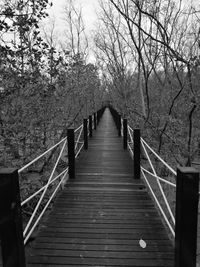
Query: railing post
x=187 y=197
x=136 y=153
x=85 y=134
x=95 y=121
x=125 y=133
x=71 y=153
x=119 y=125
x=90 y=126
x=97 y=117
x=11 y=232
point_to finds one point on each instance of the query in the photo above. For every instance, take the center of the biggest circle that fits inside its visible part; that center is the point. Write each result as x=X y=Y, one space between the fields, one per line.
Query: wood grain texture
x=99 y=218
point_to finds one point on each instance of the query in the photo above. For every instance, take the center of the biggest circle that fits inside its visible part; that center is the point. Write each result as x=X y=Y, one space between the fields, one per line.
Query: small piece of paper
x=142 y=243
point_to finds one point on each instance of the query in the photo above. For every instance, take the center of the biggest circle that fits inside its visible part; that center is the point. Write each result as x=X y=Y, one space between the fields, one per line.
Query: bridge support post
x=95 y=121
x=187 y=197
x=119 y=125
x=90 y=126
x=71 y=153
x=85 y=134
x=125 y=141
x=11 y=232
x=136 y=153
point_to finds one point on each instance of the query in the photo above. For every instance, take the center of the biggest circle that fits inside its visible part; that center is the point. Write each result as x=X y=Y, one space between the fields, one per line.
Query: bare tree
x=51 y=38
x=166 y=30
x=76 y=38
x=115 y=54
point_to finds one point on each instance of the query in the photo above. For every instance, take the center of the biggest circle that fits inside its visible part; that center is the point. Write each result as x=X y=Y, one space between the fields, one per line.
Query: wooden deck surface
x=100 y=217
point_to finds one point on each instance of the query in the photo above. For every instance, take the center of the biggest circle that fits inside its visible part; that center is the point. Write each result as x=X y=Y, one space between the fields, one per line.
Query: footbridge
x=103 y=209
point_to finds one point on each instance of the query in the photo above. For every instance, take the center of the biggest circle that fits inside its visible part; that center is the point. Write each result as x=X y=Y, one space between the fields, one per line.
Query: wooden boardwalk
x=99 y=218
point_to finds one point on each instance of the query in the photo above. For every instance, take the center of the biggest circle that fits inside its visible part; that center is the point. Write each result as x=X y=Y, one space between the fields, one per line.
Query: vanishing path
x=100 y=217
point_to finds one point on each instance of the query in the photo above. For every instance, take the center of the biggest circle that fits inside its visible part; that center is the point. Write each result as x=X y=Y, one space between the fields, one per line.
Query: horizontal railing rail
x=51 y=180
x=42 y=155
x=159 y=180
x=154 y=174
x=182 y=223
x=68 y=148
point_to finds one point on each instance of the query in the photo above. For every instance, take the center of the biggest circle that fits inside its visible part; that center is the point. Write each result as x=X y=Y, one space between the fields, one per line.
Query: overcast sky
x=88 y=9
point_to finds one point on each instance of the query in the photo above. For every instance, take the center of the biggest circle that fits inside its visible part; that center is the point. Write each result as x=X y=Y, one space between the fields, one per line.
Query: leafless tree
x=168 y=42
x=76 y=38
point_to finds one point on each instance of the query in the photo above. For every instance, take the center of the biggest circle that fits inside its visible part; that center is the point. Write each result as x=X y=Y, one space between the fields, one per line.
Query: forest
x=147 y=58
x=149 y=51
x=43 y=90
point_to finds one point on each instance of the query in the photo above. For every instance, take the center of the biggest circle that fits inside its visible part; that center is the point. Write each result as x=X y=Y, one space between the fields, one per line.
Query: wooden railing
x=11 y=230
x=187 y=193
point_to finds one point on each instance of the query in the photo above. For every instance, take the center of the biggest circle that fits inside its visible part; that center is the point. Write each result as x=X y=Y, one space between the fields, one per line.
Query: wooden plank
x=103 y=225
x=100 y=217
x=121 y=236
x=106 y=230
x=105 y=247
x=121 y=242
x=101 y=261
x=102 y=254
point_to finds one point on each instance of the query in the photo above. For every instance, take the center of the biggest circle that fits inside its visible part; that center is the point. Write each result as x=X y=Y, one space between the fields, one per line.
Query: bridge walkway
x=100 y=218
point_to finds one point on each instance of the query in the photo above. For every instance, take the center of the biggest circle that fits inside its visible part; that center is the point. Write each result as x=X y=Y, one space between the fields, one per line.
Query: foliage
x=43 y=91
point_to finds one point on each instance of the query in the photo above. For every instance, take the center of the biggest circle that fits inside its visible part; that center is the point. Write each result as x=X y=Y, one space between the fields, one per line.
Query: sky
x=56 y=12
x=88 y=8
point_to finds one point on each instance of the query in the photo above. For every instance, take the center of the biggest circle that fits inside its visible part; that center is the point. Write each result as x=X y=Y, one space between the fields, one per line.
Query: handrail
x=142 y=139
x=130 y=134
x=44 y=209
x=79 y=136
x=160 y=186
x=79 y=150
x=186 y=193
x=58 y=176
x=77 y=129
x=40 y=156
x=27 y=231
x=129 y=127
x=122 y=127
x=158 y=179
x=159 y=206
x=43 y=193
x=165 y=163
x=75 y=142
x=47 y=151
x=42 y=188
x=78 y=142
x=131 y=150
